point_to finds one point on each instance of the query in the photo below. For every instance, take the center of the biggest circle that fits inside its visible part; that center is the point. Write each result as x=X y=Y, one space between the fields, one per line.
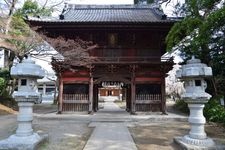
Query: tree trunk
x=7 y=28
x=224 y=100
x=215 y=92
x=55 y=97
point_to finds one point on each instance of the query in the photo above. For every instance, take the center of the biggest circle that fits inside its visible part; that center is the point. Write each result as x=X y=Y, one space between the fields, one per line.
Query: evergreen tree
x=16 y=38
x=201 y=33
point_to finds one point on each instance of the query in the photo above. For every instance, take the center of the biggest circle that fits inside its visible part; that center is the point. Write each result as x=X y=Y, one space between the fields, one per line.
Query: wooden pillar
x=133 y=101
x=119 y=92
x=128 y=98
x=163 y=93
x=95 y=98
x=133 y=92
x=60 y=95
x=91 y=94
x=125 y=94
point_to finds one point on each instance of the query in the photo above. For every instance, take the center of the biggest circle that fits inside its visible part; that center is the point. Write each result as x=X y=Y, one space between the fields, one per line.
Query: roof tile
x=109 y=13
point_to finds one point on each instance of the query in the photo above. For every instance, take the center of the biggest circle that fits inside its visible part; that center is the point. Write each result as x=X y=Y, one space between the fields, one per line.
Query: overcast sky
x=167 y=9
x=97 y=2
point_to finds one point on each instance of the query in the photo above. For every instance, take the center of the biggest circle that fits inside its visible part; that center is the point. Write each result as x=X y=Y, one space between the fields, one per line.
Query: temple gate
x=131 y=43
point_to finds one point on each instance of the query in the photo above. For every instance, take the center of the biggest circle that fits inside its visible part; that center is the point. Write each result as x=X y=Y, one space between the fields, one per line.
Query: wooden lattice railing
x=148 y=98
x=148 y=102
x=75 y=102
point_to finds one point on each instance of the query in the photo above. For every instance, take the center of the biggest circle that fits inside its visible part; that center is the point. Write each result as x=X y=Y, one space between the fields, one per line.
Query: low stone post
x=27 y=74
x=193 y=74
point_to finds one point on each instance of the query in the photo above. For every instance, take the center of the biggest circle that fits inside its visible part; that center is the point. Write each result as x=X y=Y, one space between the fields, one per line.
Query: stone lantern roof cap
x=27 y=69
x=193 y=60
x=194 y=69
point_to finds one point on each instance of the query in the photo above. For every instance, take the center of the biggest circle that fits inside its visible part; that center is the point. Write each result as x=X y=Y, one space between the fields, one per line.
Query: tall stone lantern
x=27 y=74
x=193 y=75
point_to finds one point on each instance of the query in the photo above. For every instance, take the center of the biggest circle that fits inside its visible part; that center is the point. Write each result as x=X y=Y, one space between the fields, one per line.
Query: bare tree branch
x=46 y=1
x=7 y=3
x=56 y=4
x=164 y=1
x=74 y=52
x=12 y=7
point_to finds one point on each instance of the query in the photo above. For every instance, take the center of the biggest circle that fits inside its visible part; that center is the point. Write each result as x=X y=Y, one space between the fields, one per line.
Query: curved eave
x=97 y=22
x=73 y=24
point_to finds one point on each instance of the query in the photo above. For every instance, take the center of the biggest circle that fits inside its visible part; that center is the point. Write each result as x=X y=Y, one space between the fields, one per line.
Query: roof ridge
x=124 y=6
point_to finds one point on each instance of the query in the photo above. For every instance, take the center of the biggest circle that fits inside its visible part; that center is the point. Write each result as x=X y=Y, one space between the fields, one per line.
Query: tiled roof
x=108 y=13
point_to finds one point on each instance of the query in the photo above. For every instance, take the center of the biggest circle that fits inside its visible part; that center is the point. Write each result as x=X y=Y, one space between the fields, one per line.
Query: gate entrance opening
x=111 y=92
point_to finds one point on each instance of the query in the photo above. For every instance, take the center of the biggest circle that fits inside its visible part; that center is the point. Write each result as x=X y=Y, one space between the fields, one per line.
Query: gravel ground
x=7 y=125
x=45 y=108
x=63 y=134
x=66 y=135
x=157 y=136
x=160 y=136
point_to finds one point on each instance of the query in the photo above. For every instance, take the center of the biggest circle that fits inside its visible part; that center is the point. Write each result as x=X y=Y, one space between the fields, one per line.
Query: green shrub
x=181 y=106
x=4 y=80
x=9 y=102
x=214 y=112
x=2 y=84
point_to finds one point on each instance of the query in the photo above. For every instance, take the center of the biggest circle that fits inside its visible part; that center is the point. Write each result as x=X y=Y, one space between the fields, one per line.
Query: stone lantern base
x=205 y=144
x=15 y=142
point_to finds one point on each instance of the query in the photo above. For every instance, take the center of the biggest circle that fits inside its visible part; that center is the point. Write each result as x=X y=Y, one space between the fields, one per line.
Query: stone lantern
x=193 y=75
x=27 y=74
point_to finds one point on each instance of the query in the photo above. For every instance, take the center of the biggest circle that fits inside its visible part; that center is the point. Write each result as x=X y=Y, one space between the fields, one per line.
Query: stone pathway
x=109 y=135
x=110 y=106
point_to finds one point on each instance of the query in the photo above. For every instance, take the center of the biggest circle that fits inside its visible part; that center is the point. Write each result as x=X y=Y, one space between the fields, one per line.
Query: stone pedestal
x=197 y=121
x=25 y=119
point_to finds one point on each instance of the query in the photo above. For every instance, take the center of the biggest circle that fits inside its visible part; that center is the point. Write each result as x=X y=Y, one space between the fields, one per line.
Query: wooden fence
x=148 y=102
x=75 y=102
